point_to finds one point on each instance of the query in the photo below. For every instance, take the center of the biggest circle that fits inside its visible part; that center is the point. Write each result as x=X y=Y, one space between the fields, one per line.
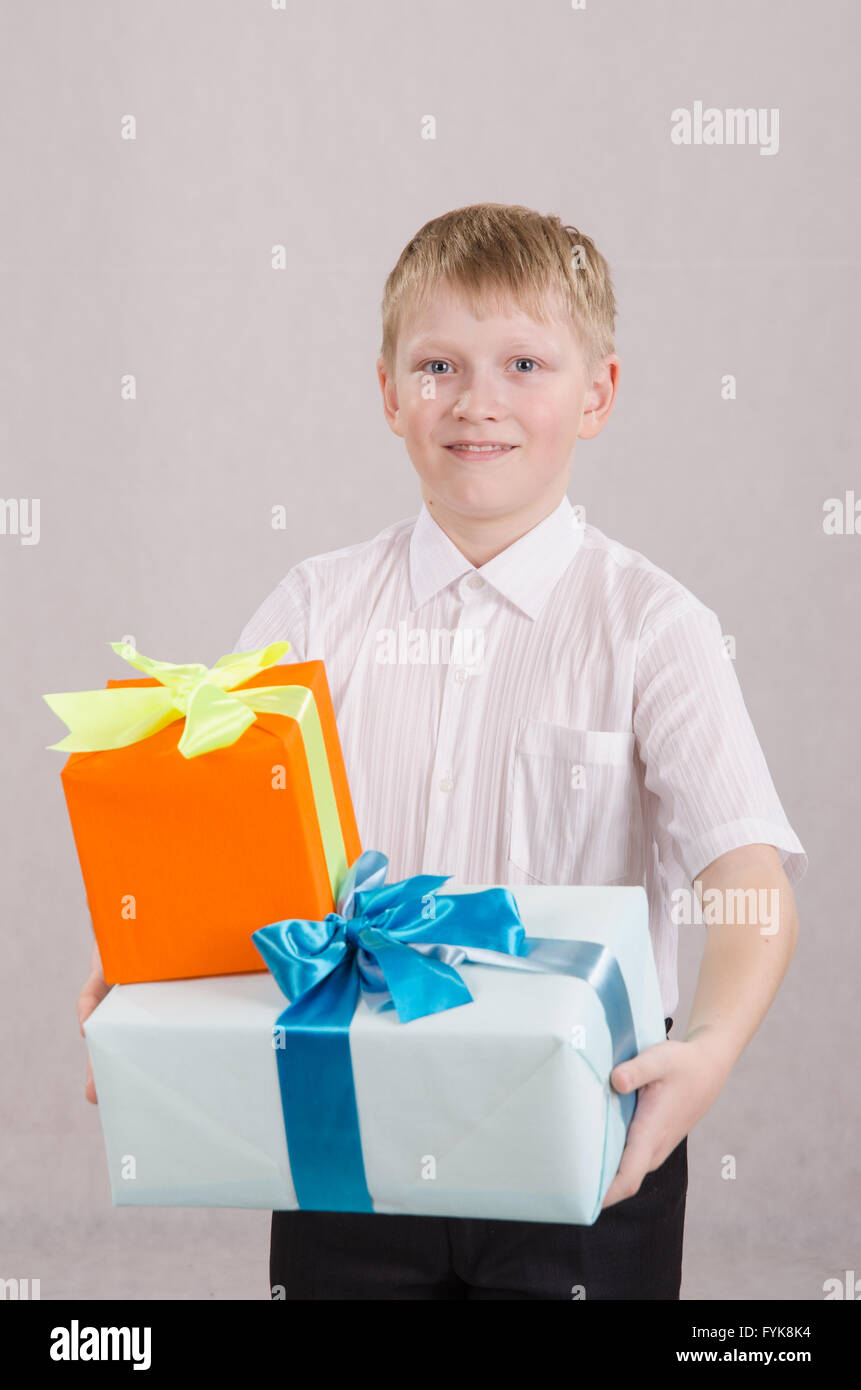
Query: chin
x=477 y=501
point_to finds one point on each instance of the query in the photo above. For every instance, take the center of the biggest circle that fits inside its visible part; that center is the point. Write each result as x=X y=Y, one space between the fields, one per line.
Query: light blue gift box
x=498 y=1108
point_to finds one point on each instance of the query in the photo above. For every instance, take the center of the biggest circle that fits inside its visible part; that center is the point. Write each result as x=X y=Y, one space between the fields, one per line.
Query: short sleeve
x=282 y=616
x=702 y=759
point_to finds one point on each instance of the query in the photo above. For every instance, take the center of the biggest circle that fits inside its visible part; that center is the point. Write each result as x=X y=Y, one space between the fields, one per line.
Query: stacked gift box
x=287 y=1028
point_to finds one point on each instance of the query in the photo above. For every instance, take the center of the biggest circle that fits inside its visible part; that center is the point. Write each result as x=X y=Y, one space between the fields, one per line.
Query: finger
x=650 y=1065
x=638 y=1157
x=617 y=1192
x=632 y=1170
x=89 y=999
x=90 y=1087
x=86 y=1005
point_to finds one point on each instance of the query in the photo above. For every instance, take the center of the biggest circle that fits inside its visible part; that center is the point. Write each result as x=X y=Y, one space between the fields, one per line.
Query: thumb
x=650 y=1064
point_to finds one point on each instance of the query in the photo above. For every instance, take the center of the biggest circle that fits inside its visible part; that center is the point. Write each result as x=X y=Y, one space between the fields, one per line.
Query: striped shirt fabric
x=565 y=714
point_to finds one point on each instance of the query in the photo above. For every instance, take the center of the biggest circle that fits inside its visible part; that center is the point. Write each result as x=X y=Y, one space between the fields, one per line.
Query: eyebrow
x=426 y=341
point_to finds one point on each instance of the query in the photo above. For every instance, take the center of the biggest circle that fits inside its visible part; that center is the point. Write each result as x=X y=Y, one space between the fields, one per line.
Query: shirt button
x=460 y=675
x=475 y=581
x=446 y=784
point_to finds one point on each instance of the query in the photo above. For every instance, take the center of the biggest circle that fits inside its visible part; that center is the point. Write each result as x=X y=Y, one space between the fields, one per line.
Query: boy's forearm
x=743 y=963
x=95 y=960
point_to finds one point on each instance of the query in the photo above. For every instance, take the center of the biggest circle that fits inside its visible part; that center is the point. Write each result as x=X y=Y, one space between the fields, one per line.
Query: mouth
x=490 y=449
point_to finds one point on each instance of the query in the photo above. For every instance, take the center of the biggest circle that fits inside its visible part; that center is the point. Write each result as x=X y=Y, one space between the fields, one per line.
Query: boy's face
x=504 y=380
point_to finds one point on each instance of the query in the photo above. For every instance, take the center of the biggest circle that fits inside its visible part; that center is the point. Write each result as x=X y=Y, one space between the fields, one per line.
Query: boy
x=521 y=699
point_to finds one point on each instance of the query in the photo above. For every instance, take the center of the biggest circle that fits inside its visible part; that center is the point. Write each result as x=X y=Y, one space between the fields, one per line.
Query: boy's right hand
x=94 y=990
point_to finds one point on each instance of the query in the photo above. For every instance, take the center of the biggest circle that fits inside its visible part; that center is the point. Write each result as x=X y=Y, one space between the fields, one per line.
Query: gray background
x=257 y=387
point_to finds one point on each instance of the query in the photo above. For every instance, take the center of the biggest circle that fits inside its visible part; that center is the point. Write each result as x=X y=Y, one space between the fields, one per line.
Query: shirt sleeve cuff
x=698 y=854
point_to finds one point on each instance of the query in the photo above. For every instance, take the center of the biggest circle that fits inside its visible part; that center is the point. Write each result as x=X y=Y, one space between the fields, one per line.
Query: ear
x=600 y=397
x=390 y=396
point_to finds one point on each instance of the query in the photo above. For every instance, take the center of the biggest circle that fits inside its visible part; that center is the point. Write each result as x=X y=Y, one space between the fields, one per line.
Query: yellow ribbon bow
x=215 y=716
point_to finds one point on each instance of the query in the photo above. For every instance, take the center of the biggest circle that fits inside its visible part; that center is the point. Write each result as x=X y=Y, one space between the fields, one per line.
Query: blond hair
x=492 y=252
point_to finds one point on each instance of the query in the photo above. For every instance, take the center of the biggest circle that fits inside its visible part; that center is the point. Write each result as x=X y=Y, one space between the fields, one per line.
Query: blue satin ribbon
x=368 y=948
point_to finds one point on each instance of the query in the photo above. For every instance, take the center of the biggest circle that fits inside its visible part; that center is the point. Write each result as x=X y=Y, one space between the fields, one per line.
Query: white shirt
x=564 y=714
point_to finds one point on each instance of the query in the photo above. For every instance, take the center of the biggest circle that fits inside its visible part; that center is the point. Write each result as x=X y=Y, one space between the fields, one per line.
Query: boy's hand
x=94 y=990
x=739 y=976
x=677 y=1081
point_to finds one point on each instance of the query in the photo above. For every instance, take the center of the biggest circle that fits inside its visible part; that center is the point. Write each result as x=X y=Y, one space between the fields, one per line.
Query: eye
x=434 y=361
x=526 y=359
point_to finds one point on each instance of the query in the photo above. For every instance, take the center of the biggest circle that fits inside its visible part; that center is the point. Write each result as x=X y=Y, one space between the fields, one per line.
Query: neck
x=479 y=539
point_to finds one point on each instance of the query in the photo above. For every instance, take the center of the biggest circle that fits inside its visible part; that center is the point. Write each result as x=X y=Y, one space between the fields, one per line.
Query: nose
x=481 y=399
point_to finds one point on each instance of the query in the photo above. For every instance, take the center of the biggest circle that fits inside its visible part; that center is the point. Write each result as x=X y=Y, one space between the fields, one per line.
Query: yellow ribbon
x=215 y=716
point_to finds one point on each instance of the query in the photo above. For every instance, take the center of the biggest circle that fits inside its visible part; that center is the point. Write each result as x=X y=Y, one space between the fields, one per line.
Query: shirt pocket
x=574 y=804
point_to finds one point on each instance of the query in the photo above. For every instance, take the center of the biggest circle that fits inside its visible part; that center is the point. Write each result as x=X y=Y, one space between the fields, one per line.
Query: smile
x=491 y=450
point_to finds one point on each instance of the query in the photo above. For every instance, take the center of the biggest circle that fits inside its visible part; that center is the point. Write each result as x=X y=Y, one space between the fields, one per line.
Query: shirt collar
x=524 y=573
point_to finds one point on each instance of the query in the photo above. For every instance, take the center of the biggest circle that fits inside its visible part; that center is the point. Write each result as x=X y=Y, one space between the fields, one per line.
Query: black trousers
x=633 y=1251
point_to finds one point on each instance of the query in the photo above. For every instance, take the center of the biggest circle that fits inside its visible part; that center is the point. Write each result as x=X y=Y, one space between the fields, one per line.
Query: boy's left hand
x=677 y=1082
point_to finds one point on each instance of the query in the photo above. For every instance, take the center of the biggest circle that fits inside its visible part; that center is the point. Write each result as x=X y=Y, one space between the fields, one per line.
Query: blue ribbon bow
x=368 y=948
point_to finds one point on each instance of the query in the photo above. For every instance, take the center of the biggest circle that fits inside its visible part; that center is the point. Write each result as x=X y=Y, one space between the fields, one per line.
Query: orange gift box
x=184 y=857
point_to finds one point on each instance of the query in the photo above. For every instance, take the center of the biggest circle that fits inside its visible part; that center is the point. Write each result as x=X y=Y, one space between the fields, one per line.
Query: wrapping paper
x=499 y=1109
x=184 y=857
